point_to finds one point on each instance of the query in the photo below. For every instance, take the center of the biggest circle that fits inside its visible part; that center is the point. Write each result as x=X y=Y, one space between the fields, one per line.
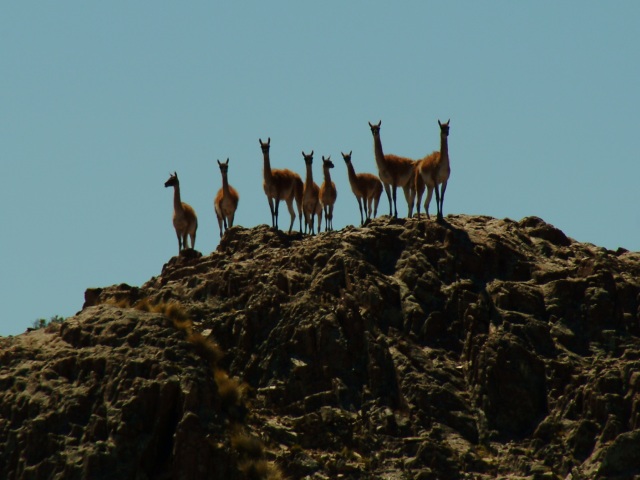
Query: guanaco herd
x=431 y=171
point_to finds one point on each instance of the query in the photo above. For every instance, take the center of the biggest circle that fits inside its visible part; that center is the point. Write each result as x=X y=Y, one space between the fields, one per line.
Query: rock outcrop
x=406 y=349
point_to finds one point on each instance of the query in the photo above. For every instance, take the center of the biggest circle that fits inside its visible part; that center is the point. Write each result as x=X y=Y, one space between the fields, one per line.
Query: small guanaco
x=226 y=201
x=328 y=193
x=434 y=170
x=311 y=197
x=185 y=220
x=366 y=187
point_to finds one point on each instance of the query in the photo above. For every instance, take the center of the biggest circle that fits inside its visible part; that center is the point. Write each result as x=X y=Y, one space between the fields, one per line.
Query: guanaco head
x=224 y=167
x=326 y=162
x=444 y=128
x=375 y=129
x=173 y=180
x=308 y=158
x=347 y=157
x=265 y=146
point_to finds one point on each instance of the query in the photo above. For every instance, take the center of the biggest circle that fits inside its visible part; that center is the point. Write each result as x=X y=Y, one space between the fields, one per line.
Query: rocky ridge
x=406 y=349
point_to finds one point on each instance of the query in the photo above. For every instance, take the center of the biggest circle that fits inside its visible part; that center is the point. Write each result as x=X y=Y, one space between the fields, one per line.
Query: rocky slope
x=479 y=348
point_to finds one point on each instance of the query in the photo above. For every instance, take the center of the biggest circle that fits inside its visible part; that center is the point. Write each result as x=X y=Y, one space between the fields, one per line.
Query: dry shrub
x=144 y=305
x=229 y=389
x=205 y=348
x=260 y=470
x=255 y=469
x=251 y=452
x=175 y=312
x=247 y=446
x=120 y=303
x=183 y=325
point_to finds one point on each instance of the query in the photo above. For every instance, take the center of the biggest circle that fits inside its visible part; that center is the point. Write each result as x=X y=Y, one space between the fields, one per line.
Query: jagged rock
x=472 y=348
x=110 y=393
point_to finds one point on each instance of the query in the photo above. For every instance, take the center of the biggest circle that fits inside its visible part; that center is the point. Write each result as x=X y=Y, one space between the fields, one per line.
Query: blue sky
x=100 y=101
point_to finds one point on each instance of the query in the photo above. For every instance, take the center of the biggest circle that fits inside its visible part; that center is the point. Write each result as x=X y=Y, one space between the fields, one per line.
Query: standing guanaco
x=185 y=220
x=226 y=201
x=311 y=197
x=366 y=187
x=394 y=172
x=434 y=170
x=281 y=184
x=328 y=193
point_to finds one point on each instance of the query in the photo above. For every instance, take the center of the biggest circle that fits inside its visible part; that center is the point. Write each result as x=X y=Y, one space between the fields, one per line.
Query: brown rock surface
x=406 y=349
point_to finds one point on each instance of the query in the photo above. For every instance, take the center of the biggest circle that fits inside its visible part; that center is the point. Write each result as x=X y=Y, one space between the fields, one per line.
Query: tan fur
x=328 y=193
x=311 y=197
x=281 y=184
x=366 y=187
x=226 y=201
x=434 y=170
x=185 y=220
x=394 y=172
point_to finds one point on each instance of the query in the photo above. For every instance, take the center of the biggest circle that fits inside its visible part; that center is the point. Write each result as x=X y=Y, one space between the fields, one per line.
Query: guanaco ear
x=227 y=161
x=379 y=123
x=311 y=154
x=350 y=152
x=218 y=160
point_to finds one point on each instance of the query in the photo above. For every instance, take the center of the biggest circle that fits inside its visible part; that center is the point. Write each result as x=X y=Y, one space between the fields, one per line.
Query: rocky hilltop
x=477 y=348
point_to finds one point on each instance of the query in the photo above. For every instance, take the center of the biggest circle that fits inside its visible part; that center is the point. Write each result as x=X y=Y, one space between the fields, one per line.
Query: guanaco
x=311 y=197
x=281 y=184
x=366 y=187
x=185 y=220
x=226 y=201
x=328 y=193
x=394 y=172
x=434 y=170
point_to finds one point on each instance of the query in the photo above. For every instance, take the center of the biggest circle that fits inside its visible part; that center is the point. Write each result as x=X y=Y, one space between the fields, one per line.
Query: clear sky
x=101 y=100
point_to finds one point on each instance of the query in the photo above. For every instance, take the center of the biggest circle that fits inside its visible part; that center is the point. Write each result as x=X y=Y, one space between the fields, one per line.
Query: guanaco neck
x=309 y=179
x=444 y=148
x=225 y=186
x=177 y=203
x=444 y=153
x=377 y=150
x=353 y=179
x=267 y=167
x=327 y=176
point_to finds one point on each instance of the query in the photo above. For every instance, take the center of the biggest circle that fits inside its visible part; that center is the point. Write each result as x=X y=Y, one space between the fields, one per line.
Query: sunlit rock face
x=403 y=349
